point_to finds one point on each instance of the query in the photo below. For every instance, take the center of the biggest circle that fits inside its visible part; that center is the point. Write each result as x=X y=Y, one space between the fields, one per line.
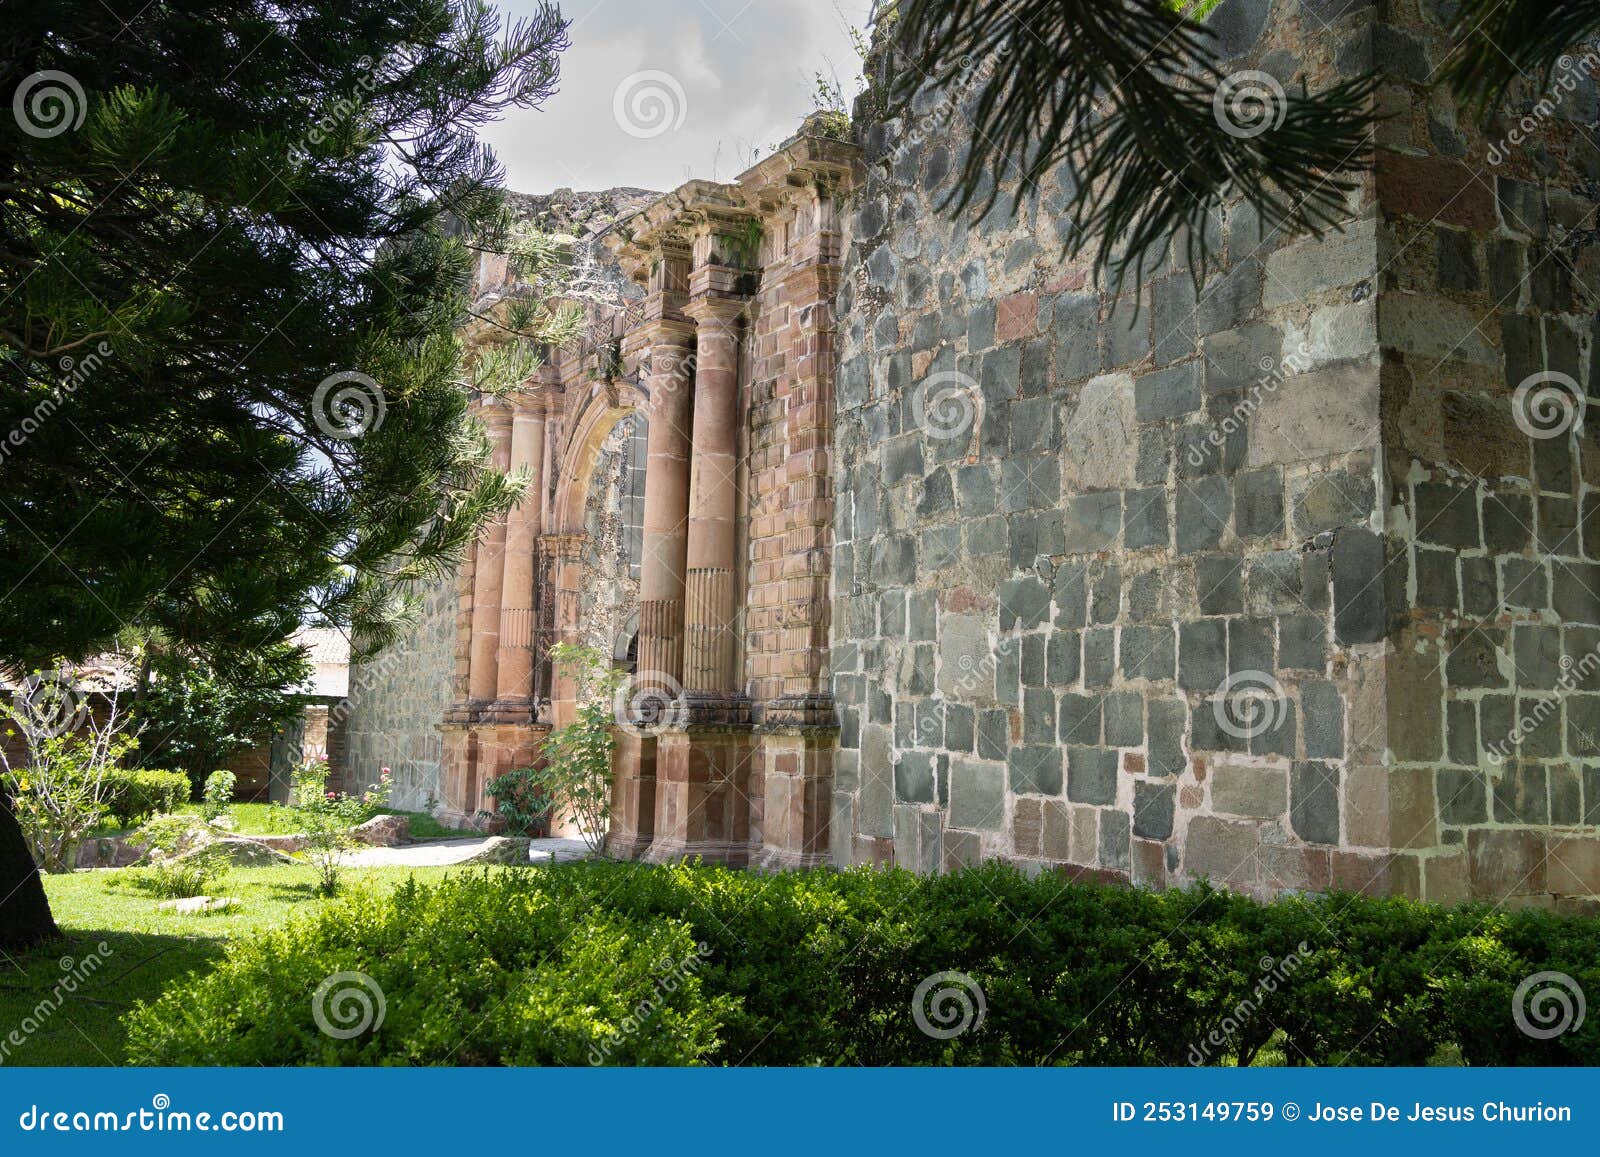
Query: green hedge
x=548 y=965
x=134 y=795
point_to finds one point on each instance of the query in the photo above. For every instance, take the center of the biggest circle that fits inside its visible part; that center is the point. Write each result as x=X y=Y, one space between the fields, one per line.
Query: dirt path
x=427 y=853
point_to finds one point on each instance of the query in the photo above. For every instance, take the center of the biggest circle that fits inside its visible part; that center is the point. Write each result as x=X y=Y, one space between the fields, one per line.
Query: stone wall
x=1164 y=583
x=397 y=701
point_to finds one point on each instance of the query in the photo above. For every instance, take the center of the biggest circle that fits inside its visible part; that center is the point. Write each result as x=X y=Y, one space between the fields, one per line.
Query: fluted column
x=713 y=494
x=489 y=574
x=514 y=683
x=666 y=505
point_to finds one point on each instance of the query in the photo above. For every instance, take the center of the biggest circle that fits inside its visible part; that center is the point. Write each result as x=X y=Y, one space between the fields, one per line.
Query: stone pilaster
x=488 y=579
x=514 y=676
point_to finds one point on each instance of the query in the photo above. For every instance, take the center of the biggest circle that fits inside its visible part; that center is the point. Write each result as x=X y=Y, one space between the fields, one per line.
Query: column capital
x=714 y=309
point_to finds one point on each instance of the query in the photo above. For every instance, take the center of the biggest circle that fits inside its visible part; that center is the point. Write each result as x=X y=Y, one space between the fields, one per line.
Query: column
x=488 y=579
x=712 y=579
x=666 y=506
x=661 y=578
x=514 y=685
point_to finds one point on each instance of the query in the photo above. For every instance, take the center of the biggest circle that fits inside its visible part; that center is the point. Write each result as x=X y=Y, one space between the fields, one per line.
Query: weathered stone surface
x=509 y=850
x=1260 y=792
x=1220 y=850
x=384 y=831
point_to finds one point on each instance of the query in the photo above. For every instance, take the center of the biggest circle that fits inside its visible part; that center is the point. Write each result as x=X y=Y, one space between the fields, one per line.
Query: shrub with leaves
x=218 y=794
x=575 y=775
x=330 y=817
x=135 y=794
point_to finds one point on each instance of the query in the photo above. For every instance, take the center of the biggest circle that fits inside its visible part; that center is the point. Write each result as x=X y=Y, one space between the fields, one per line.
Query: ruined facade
x=947 y=552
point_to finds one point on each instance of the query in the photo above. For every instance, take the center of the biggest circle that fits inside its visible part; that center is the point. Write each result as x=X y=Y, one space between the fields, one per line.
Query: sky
x=656 y=92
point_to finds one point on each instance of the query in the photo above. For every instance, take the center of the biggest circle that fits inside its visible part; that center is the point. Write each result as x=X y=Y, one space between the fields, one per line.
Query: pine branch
x=1129 y=101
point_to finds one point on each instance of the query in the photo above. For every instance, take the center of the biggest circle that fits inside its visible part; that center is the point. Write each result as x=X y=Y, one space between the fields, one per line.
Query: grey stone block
x=1261 y=792
x=977 y=795
x=1114 y=841
x=1322 y=709
x=1314 y=802
x=1359 y=586
x=1203 y=506
x=1168 y=394
x=1202 y=655
x=1091 y=775
x=1148 y=652
x=1035 y=770
x=913 y=777
x=1152 y=809
x=1124 y=719
x=994 y=734
x=1079 y=719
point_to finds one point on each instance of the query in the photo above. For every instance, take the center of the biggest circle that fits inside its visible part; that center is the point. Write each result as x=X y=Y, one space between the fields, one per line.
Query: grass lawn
x=148 y=949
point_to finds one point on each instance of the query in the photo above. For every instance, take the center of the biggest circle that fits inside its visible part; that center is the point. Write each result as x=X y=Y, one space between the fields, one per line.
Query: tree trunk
x=24 y=911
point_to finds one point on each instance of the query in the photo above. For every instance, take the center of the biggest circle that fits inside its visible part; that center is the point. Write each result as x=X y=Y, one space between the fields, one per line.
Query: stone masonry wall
x=1486 y=312
x=397 y=700
x=1151 y=592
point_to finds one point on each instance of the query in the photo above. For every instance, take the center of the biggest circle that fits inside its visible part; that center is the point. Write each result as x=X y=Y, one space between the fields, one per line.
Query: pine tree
x=234 y=256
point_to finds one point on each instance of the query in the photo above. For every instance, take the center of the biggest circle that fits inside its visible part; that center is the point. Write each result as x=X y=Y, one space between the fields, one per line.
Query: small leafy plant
x=218 y=794
x=575 y=777
x=330 y=817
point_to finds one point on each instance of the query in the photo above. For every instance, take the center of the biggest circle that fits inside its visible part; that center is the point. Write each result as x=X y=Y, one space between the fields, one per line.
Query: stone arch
x=597 y=511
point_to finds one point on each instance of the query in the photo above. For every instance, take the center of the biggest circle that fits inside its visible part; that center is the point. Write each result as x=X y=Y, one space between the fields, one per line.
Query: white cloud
x=746 y=71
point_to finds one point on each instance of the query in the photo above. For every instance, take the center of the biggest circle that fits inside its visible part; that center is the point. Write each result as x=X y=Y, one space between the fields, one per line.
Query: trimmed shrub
x=824 y=967
x=476 y=970
x=135 y=794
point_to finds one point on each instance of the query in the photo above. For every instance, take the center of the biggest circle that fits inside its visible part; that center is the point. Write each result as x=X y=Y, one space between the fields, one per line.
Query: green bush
x=477 y=970
x=821 y=968
x=134 y=795
x=194 y=875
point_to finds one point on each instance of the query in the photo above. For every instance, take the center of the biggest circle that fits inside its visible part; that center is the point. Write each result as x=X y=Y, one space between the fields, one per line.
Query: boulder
x=285 y=844
x=198 y=905
x=502 y=850
x=110 y=852
x=384 y=831
x=238 y=851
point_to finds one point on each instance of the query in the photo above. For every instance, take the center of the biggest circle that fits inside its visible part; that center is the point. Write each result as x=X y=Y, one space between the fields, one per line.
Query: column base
x=796 y=766
x=475 y=754
x=633 y=796
x=702 y=795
